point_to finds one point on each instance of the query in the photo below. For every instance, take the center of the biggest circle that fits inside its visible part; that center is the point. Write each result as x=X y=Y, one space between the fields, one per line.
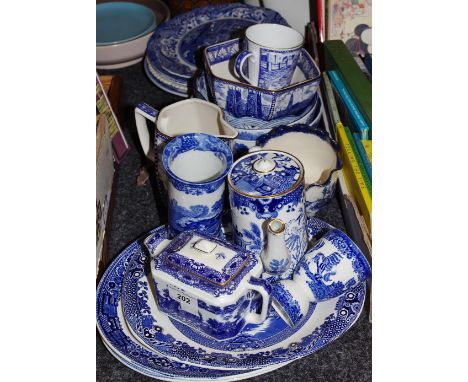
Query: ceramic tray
x=128 y=350
x=255 y=346
x=326 y=322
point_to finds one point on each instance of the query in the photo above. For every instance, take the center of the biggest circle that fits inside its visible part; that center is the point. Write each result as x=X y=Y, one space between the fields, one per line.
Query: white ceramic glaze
x=316 y=155
x=271 y=52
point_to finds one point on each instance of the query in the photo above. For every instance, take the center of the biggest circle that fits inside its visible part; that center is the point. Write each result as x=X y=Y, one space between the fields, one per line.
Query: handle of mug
x=263 y=287
x=239 y=64
x=143 y=111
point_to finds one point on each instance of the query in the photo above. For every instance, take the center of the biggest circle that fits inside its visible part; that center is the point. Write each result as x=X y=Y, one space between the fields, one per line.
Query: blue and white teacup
x=330 y=268
x=196 y=166
x=272 y=52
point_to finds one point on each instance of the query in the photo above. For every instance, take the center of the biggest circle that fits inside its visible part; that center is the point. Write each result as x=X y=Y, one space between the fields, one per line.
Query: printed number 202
x=183 y=298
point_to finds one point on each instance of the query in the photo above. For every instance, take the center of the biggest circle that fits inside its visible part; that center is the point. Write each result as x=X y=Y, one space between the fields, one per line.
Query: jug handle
x=264 y=288
x=143 y=111
x=254 y=148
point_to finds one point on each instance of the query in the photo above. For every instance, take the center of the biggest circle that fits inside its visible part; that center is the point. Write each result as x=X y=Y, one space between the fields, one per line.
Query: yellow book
x=368 y=148
x=353 y=176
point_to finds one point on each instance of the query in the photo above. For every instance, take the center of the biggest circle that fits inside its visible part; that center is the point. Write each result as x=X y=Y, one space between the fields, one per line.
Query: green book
x=338 y=57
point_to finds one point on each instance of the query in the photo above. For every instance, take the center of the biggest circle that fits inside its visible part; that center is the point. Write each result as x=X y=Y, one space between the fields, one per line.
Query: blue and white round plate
x=175 y=48
x=257 y=346
x=116 y=336
x=162 y=81
x=166 y=377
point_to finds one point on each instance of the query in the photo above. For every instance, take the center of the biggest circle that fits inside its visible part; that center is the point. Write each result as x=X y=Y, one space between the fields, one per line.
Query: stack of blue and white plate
x=147 y=340
x=173 y=52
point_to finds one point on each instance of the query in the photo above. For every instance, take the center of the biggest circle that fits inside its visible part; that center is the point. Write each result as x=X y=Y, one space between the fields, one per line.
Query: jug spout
x=275 y=255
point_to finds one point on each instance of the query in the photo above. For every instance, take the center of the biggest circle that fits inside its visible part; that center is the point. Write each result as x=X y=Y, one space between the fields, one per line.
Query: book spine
x=350 y=104
x=367 y=144
x=354 y=176
x=353 y=220
x=119 y=144
x=321 y=22
x=359 y=160
x=337 y=57
x=330 y=99
x=363 y=155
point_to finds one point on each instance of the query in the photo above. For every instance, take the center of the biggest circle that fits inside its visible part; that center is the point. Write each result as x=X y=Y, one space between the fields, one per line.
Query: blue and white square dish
x=210 y=284
x=244 y=100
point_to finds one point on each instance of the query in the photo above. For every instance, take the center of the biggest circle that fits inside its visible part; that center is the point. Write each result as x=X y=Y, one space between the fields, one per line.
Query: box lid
x=265 y=174
x=206 y=263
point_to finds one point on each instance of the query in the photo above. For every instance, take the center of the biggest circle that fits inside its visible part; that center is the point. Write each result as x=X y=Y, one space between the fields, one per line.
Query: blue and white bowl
x=245 y=100
x=317 y=152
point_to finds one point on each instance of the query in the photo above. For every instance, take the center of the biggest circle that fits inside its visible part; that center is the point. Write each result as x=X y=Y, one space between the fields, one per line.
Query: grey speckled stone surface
x=136 y=212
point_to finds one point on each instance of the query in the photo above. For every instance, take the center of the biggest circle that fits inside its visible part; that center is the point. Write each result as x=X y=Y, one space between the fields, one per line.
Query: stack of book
x=348 y=94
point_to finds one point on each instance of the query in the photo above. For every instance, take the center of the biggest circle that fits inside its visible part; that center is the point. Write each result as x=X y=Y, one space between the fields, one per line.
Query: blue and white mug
x=196 y=165
x=330 y=268
x=272 y=53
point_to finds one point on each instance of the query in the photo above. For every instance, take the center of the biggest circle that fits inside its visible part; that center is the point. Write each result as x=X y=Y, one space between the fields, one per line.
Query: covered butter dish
x=210 y=285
